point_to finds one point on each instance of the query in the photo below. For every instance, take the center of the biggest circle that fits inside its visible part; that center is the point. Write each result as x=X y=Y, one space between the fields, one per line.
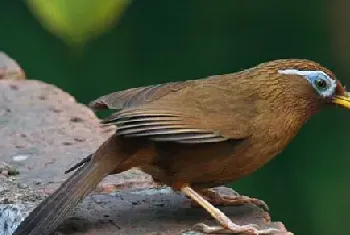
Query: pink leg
x=229 y=199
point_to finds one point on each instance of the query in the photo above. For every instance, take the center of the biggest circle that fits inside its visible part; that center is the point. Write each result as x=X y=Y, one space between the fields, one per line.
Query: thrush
x=197 y=134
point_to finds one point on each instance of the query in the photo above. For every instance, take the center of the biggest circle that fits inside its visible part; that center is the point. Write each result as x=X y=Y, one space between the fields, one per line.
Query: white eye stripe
x=302 y=73
x=313 y=76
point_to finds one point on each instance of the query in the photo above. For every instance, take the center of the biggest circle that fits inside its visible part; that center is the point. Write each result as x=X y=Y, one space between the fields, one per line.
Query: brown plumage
x=200 y=133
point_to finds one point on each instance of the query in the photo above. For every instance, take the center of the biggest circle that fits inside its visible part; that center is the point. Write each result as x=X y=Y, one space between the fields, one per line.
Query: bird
x=197 y=134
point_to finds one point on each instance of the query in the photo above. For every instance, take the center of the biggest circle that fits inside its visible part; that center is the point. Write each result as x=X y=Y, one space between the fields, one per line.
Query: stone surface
x=16 y=201
x=9 y=68
x=44 y=131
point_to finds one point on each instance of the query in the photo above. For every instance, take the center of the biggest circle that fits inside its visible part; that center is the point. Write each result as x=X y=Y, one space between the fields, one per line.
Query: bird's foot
x=232 y=228
x=232 y=199
x=226 y=224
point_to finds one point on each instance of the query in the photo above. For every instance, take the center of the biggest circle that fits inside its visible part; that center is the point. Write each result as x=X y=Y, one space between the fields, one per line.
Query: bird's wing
x=169 y=126
x=137 y=96
x=192 y=111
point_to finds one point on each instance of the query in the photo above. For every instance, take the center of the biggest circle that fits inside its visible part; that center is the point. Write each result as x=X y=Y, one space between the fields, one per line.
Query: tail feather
x=45 y=218
x=79 y=164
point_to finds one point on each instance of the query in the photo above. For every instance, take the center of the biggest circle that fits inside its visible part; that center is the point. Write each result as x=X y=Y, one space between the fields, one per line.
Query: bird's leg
x=217 y=198
x=227 y=226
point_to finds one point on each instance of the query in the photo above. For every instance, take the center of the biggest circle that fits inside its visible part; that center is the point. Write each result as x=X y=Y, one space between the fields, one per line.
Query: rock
x=15 y=204
x=7 y=169
x=9 y=69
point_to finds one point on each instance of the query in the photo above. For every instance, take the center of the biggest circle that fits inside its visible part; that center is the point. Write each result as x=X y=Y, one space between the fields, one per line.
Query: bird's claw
x=218 y=199
x=249 y=229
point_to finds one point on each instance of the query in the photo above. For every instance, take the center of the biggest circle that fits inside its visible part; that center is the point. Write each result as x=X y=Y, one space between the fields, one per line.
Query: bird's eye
x=320 y=81
x=321 y=84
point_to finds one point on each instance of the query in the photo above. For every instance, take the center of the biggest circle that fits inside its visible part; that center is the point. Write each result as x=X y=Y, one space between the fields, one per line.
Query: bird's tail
x=45 y=218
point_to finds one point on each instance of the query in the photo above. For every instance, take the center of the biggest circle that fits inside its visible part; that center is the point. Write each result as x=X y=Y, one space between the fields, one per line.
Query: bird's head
x=309 y=80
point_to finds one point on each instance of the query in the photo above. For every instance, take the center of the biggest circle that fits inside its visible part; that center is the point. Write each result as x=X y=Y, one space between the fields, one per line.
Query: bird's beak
x=342 y=100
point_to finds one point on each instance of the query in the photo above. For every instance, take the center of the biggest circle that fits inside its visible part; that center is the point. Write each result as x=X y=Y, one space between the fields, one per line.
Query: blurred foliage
x=307 y=186
x=77 y=21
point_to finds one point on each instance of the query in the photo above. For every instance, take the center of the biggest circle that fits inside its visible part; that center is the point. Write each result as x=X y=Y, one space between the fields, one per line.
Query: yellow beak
x=343 y=100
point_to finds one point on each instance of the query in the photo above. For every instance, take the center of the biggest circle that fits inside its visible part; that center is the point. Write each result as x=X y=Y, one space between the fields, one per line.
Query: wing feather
x=204 y=140
x=137 y=96
x=124 y=116
x=147 y=112
x=162 y=125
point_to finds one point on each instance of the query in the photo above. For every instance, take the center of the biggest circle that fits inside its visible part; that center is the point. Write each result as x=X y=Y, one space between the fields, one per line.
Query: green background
x=307 y=186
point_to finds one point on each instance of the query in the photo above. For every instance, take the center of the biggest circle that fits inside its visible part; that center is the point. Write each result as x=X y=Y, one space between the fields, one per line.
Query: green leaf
x=77 y=21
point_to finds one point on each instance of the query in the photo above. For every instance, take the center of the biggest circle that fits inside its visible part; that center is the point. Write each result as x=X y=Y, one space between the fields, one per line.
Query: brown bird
x=197 y=134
